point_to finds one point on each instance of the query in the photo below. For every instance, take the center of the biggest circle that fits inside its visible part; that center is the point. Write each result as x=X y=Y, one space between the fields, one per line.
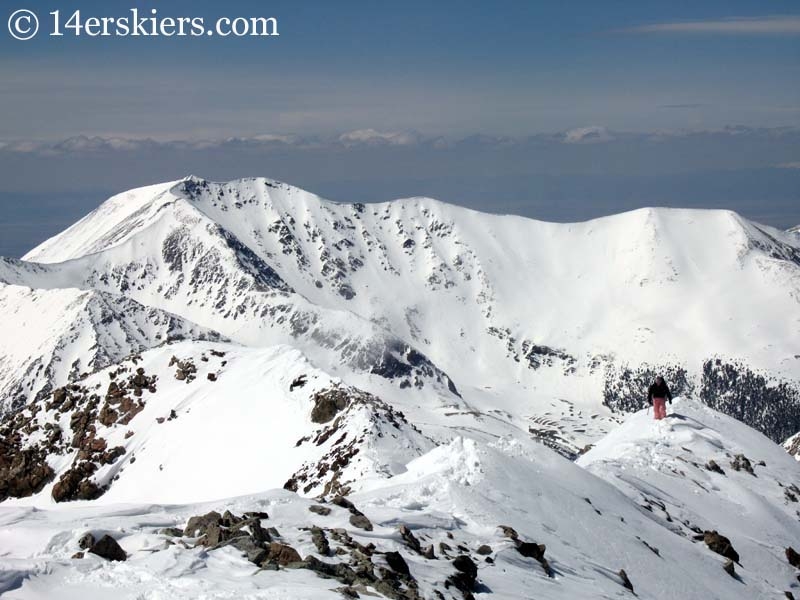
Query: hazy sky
x=554 y=110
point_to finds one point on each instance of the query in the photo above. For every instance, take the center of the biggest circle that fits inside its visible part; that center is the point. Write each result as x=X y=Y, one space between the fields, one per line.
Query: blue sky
x=438 y=67
x=556 y=110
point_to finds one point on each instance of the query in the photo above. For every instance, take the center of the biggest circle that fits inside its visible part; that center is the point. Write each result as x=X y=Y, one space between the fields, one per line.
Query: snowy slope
x=749 y=493
x=53 y=335
x=193 y=421
x=456 y=497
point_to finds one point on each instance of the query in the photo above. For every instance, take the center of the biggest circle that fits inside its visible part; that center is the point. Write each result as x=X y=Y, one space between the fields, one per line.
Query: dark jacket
x=659 y=390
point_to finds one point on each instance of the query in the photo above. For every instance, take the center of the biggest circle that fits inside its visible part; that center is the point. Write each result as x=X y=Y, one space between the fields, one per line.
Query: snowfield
x=593 y=521
x=405 y=400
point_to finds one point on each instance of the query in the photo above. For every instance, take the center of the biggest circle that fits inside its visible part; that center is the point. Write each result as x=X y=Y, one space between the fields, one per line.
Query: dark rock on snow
x=320 y=510
x=626 y=582
x=108 y=548
x=721 y=545
x=793 y=557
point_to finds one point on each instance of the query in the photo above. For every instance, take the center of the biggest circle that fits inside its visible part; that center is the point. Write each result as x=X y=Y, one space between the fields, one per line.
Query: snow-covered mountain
x=551 y=321
x=190 y=346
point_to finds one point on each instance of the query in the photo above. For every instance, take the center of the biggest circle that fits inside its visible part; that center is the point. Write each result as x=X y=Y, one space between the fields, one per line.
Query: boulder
x=320 y=540
x=327 y=404
x=465 y=576
x=75 y=484
x=282 y=554
x=320 y=510
x=197 y=525
x=23 y=472
x=531 y=550
x=398 y=564
x=254 y=552
x=721 y=545
x=87 y=541
x=626 y=582
x=410 y=539
x=108 y=548
x=361 y=521
x=509 y=532
x=257 y=532
x=793 y=557
x=484 y=549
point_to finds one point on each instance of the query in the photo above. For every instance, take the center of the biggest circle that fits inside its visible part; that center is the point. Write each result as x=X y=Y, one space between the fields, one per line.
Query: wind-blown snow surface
x=459 y=493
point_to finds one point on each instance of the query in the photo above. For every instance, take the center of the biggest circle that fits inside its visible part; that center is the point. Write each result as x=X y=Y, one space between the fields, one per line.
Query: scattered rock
x=721 y=545
x=256 y=531
x=793 y=557
x=185 y=369
x=87 y=541
x=298 y=382
x=109 y=549
x=361 y=521
x=531 y=550
x=741 y=463
x=22 y=472
x=465 y=577
x=626 y=582
x=410 y=539
x=198 y=525
x=320 y=540
x=77 y=555
x=397 y=563
x=282 y=554
x=729 y=568
x=344 y=503
x=75 y=484
x=254 y=552
x=712 y=465
x=509 y=532
x=327 y=404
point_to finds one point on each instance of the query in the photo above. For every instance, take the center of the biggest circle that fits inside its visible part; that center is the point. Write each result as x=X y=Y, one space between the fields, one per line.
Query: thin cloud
x=587 y=135
x=373 y=138
x=766 y=25
x=685 y=106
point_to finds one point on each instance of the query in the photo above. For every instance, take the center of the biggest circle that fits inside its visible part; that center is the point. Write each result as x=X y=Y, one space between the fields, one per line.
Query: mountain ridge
x=503 y=295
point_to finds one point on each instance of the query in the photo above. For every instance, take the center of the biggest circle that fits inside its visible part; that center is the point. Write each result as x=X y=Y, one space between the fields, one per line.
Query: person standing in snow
x=657 y=396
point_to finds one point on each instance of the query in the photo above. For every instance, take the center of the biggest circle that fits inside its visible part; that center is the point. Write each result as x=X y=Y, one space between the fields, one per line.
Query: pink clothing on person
x=659 y=408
